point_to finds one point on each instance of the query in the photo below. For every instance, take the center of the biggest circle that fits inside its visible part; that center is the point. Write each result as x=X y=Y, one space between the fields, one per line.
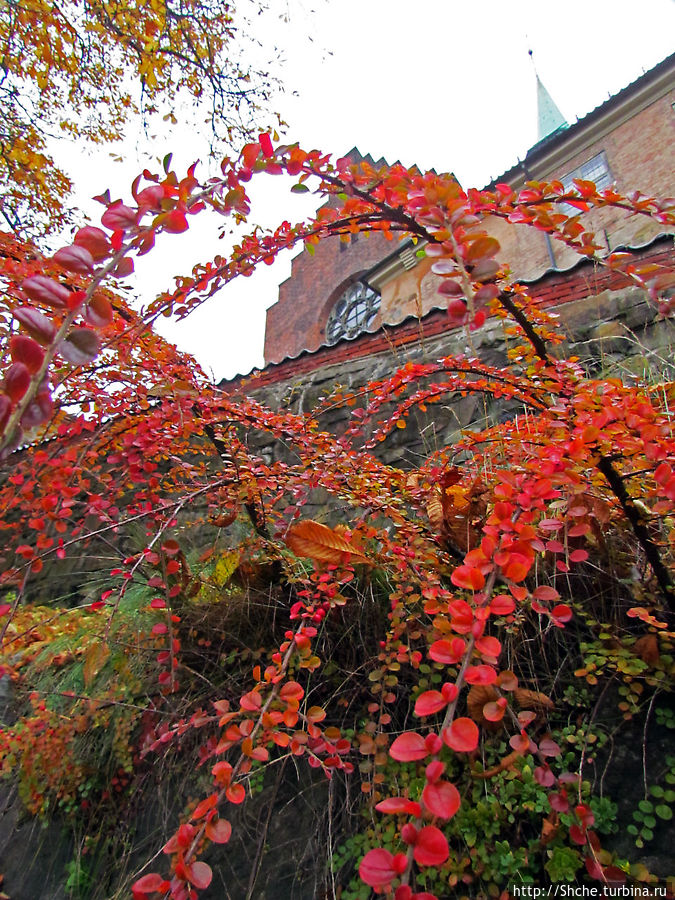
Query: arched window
x=353 y=312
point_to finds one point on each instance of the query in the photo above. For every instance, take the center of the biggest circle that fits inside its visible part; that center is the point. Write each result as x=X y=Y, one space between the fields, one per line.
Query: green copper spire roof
x=549 y=117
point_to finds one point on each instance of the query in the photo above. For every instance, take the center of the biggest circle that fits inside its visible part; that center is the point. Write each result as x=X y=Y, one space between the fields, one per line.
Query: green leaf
x=664 y=812
x=299 y=189
x=646 y=806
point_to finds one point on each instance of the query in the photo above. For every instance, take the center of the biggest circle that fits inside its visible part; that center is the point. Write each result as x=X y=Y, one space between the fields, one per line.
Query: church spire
x=549 y=117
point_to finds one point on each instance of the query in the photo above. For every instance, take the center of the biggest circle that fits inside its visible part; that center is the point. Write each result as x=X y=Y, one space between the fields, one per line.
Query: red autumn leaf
x=548 y=747
x=397 y=805
x=236 y=793
x=80 y=346
x=489 y=646
x=613 y=874
x=38 y=411
x=594 y=868
x=46 y=290
x=151 y=197
x=468 y=577
x=123 y=268
x=199 y=874
x=545 y=593
x=218 y=831
x=204 y=806
x=95 y=240
x=27 y=351
x=578 y=835
x=408 y=747
x=447 y=652
x=266 y=144
x=519 y=742
x=98 y=312
x=457 y=312
x=517 y=567
x=36 y=324
x=251 y=701
x=480 y=675
x=451 y=288
x=148 y=884
x=585 y=815
x=119 y=217
x=377 y=868
x=75 y=259
x=222 y=772
x=292 y=691
x=544 y=776
x=481 y=248
x=449 y=692
x=249 y=155
x=559 y=802
x=429 y=702
x=579 y=556
x=562 y=612
x=431 y=847
x=441 y=798
x=16 y=381
x=174 y=222
x=486 y=293
x=403 y=892
x=494 y=710
x=462 y=735
x=502 y=605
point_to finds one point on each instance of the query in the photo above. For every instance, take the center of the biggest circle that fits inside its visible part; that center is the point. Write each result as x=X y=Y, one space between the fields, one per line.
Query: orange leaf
x=316 y=541
x=236 y=793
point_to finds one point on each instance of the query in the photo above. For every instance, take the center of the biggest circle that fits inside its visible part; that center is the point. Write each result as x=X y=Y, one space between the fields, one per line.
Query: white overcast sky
x=444 y=84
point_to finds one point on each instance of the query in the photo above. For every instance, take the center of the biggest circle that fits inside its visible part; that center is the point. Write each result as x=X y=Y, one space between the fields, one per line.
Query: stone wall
x=616 y=333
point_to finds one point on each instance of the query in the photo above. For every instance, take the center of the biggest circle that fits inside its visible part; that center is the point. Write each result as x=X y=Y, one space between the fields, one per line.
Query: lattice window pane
x=355 y=310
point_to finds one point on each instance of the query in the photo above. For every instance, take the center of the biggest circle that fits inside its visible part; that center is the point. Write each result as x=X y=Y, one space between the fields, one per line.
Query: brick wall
x=296 y=322
x=641 y=156
x=640 y=152
x=553 y=289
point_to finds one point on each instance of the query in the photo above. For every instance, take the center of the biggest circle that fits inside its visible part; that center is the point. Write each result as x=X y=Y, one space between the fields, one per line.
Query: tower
x=549 y=117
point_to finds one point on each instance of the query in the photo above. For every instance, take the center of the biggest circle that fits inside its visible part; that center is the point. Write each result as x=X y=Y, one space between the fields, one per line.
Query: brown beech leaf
x=647 y=648
x=435 y=508
x=532 y=699
x=478 y=696
x=319 y=542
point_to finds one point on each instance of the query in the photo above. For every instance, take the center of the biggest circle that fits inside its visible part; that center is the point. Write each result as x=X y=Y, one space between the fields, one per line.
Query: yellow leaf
x=94 y=660
x=226 y=567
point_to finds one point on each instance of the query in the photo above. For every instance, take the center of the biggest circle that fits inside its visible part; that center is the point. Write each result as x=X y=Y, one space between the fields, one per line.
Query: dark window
x=353 y=312
x=595 y=169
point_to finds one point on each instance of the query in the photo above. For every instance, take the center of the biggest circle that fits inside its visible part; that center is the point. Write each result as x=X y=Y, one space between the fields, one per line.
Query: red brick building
x=347 y=289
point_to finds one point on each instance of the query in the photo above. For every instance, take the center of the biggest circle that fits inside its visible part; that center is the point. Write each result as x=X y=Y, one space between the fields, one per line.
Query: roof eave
x=551 y=153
